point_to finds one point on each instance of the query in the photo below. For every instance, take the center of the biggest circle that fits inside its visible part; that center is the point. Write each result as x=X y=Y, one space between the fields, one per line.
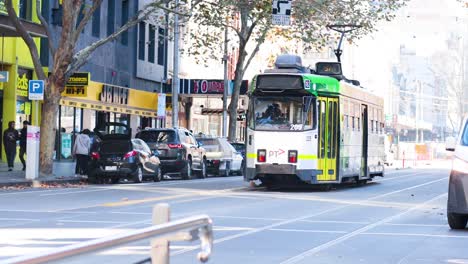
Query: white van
x=457 y=203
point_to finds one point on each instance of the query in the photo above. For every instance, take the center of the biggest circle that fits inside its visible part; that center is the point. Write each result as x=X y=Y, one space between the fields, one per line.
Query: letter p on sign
x=36 y=90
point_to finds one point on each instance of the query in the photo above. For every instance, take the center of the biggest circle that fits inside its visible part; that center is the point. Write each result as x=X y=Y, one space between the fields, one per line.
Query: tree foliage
x=251 y=23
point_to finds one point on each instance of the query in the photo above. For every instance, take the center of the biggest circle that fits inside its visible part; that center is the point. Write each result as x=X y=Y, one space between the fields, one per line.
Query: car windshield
x=283 y=114
x=238 y=146
x=464 y=140
x=157 y=136
x=209 y=144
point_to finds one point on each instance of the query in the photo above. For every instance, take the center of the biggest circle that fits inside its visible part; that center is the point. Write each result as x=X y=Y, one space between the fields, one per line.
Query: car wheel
x=115 y=180
x=187 y=174
x=457 y=221
x=138 y=175
x=158 y=176
x=203 y=169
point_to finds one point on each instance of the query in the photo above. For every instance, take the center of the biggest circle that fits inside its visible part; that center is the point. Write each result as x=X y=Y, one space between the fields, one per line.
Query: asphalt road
x=397 y=219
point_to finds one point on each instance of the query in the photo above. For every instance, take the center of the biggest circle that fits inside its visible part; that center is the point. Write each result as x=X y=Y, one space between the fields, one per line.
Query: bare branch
x=27 y=39
x=257 y=48
x=81 y=57
x=46 y=27
x=85 y=20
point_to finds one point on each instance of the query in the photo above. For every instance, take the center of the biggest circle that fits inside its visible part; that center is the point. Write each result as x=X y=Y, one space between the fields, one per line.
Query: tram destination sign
x=280 y=82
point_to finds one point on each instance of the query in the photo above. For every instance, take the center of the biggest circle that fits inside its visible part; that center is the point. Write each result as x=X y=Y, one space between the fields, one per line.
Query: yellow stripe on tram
x=251 y=155
x=307 y=157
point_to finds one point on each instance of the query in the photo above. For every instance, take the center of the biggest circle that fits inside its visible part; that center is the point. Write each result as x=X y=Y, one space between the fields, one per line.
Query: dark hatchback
x=116 y=156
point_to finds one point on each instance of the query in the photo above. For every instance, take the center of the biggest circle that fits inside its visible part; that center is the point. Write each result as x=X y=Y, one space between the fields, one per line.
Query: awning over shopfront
x=218 y=111
x=7 y=28
x=110 y=98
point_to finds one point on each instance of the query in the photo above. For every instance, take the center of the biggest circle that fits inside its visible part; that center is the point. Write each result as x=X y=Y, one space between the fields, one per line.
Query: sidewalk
x=63 y=172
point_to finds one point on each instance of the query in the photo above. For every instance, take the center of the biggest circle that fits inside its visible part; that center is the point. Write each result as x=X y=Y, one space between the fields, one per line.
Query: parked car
x=457 y=203
x=116 y=156
x=240 y=147
x=222 y=158
x=178 y=149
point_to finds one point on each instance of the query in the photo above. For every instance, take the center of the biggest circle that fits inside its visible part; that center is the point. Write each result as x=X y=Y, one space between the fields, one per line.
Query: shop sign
x=161 y=105
x=189 y=86
x=114 y=95
x=75 y=91
x=79 y=79
x=22 y=86
x=23 y=108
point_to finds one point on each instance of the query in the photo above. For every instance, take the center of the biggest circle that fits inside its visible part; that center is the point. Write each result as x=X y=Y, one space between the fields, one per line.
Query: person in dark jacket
x=23 y=137
x=10 y=136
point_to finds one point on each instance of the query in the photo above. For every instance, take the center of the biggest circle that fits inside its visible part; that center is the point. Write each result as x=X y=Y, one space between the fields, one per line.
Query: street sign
x=36 y=90
x=3 y=76
x=281 y=12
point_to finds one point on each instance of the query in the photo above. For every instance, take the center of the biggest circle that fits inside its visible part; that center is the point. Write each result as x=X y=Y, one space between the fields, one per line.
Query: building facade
x=124 y=77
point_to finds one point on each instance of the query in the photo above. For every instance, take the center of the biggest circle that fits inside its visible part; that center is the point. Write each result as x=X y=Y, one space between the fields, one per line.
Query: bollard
x=160 y=247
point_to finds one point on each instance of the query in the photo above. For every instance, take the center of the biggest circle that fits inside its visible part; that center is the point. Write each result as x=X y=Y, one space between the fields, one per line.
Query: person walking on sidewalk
x=10 y=136
x=22 y=139
x=81 y=152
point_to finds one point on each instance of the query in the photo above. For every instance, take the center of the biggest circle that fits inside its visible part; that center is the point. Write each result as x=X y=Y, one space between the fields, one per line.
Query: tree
x=66 y=60
x=309 y=21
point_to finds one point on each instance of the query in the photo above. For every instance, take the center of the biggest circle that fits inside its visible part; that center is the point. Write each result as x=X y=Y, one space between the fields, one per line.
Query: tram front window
x=283 y=114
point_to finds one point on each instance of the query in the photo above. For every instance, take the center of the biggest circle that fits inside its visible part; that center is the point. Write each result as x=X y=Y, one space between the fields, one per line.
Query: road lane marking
x=91 y=221
x=19 y=219
x=412 y=235
x=399 y=177
x=308 y=231
x=146 y=200
x=72 y=192
x=359 y=231
x=410 y=188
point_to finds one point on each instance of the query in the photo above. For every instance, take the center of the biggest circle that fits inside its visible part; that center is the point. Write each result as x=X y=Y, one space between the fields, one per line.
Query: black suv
x=179 y=151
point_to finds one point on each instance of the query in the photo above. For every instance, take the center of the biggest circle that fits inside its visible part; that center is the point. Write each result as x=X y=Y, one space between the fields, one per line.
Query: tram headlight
x=292 y=156
x=261 y=155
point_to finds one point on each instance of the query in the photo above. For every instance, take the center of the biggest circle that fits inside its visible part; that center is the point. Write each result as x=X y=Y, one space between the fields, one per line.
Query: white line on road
x=409 y=188
x=362 y=230
x=91 y=221
x=19 y=219
x=308 y=231
x=413 y=234
x=74 y=192
x=399 y=177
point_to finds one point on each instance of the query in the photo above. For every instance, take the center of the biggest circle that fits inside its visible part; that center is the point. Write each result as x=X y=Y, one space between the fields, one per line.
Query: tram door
x=365 y=139
x=328 y=138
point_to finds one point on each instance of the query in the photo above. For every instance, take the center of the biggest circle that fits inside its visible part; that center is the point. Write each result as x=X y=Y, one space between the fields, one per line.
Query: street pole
x=226 y=81
x=175 y=77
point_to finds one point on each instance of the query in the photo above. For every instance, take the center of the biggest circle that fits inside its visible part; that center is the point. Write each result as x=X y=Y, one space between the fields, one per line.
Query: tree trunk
x=239 y=75
x=49 y=129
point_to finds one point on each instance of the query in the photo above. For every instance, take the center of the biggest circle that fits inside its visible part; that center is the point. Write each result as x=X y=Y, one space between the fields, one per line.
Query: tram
x=312 y=126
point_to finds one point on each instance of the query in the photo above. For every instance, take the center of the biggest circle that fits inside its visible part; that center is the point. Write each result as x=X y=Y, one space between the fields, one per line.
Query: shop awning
x=218 y=111
x=100 y=106
x=7 y=28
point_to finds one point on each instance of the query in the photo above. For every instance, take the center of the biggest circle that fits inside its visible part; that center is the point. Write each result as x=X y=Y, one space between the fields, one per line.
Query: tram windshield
x=283 y=113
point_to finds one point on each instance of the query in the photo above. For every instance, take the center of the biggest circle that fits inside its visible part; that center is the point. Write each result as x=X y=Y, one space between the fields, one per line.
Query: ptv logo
x=275 y=153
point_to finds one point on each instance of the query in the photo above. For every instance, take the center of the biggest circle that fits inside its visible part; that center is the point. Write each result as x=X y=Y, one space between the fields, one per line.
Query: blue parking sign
x=36 y=90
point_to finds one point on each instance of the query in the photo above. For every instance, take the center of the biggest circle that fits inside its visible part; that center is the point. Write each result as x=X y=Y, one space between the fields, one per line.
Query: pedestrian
x=81 y=152
x=10 y=136
x=22 y=139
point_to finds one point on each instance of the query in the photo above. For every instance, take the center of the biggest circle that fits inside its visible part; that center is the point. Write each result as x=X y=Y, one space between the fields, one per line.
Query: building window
x=141 y=40
x=96 y=27
x=162 y=50
x=25 y=9
x=81 y=15
x=151 y=46
x=57 y=14
x=124 y=37
x=110 y=17
x=44 y=50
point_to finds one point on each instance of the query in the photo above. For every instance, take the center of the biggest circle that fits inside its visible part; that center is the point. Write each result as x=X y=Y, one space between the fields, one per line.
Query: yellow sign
x=75 y=91
x=22 y=86
x=109 y=98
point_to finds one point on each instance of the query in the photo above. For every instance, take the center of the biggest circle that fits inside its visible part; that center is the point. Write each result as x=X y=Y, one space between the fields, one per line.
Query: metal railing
x=161 y=233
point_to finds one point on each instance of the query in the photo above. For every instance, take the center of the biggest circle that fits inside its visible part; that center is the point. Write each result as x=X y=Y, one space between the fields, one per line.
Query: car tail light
x=95 y=155
x=292 y=156
x=215 y=162
x=175 y=146
x=132 y=153
x=261 y=155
